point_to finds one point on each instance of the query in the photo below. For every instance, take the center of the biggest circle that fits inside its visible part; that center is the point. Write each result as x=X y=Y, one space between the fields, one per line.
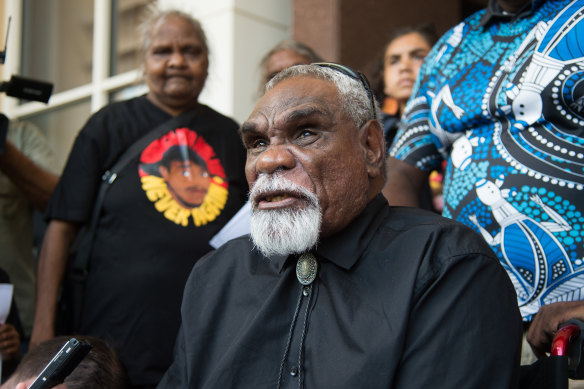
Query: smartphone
x=62 y=364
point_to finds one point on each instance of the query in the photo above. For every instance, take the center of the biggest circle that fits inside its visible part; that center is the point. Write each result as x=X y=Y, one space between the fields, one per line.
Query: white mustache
x=274 y=183
x=286 y=230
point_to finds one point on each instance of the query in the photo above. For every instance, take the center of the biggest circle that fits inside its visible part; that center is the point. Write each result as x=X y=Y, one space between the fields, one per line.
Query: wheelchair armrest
x=569 y=341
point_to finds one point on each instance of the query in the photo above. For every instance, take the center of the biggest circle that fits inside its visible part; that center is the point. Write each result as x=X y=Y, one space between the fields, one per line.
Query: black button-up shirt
x=403 y=298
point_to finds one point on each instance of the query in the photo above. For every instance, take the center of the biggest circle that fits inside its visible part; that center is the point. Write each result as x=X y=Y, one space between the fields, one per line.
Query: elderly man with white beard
x=334 y=288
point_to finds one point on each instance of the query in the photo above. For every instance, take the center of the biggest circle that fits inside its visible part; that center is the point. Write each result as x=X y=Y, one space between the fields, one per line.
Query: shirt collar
x=494 y=12
x=345 y=248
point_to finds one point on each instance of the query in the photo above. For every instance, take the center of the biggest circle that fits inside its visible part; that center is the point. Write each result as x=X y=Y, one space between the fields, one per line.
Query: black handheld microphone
x=24 y=88
x=28 y=89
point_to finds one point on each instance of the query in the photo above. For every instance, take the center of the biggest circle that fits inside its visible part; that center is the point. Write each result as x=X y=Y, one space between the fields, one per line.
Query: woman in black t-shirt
x=146 y=240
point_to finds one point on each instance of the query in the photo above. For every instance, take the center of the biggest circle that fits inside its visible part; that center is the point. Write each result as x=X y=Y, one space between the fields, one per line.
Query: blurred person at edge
x=28 y=176
x=146 y=242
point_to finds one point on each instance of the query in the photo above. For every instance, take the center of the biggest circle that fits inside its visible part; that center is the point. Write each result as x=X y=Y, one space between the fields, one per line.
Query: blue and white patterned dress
x=503 y=102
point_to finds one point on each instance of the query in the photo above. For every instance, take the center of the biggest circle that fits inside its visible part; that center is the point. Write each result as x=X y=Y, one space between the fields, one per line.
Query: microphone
x=28 y=89
x=24 y=88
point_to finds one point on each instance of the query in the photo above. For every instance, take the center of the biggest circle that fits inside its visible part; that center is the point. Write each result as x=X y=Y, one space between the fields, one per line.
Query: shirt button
x=306 y=291
x=294 y=371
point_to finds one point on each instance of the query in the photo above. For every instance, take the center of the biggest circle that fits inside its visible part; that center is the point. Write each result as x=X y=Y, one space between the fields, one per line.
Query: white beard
x=284 y=231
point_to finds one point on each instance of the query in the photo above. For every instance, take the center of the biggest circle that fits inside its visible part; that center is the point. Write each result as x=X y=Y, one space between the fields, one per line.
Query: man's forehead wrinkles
x=301 y=112
x=286 y=103
x=297 y=109
x=247 y=127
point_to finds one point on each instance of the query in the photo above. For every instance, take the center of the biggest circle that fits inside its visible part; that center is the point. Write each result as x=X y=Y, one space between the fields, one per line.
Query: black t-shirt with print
x=146 y=241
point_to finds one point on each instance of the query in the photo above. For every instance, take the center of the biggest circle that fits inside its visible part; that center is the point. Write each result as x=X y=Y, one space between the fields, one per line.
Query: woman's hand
x=546 y=322
x=9 y=342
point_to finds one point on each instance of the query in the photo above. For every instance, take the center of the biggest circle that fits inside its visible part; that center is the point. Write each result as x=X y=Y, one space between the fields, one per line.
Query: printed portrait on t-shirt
x=183 y=178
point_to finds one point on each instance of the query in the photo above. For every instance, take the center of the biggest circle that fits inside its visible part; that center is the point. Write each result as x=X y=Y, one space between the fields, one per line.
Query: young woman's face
x=401 y=65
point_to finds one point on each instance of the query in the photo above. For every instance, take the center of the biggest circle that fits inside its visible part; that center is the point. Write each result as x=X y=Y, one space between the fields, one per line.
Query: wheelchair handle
x=566 y=334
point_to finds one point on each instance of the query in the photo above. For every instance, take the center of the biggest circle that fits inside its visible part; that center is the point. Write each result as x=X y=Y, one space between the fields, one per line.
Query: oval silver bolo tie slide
x=306 y=268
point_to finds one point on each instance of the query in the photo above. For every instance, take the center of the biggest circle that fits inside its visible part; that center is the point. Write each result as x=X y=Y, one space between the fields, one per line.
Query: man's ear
x=373 y=145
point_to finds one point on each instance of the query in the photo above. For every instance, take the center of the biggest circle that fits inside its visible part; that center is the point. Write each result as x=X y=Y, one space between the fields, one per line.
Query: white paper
x=6 y=291
x=238 y=225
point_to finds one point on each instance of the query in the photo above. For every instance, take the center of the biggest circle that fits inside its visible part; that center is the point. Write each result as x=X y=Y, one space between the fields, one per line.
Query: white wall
x=240 y=32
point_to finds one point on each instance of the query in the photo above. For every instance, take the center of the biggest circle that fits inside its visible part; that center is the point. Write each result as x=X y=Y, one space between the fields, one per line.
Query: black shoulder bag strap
x=80 y=266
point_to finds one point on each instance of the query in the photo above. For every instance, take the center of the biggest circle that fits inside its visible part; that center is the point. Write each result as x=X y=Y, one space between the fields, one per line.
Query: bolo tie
x=306 y=271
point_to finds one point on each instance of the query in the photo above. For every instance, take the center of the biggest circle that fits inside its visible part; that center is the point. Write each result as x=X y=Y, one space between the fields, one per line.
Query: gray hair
x=352 y=93
x=299 y=47
x=290 y=44
x=156 y=17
